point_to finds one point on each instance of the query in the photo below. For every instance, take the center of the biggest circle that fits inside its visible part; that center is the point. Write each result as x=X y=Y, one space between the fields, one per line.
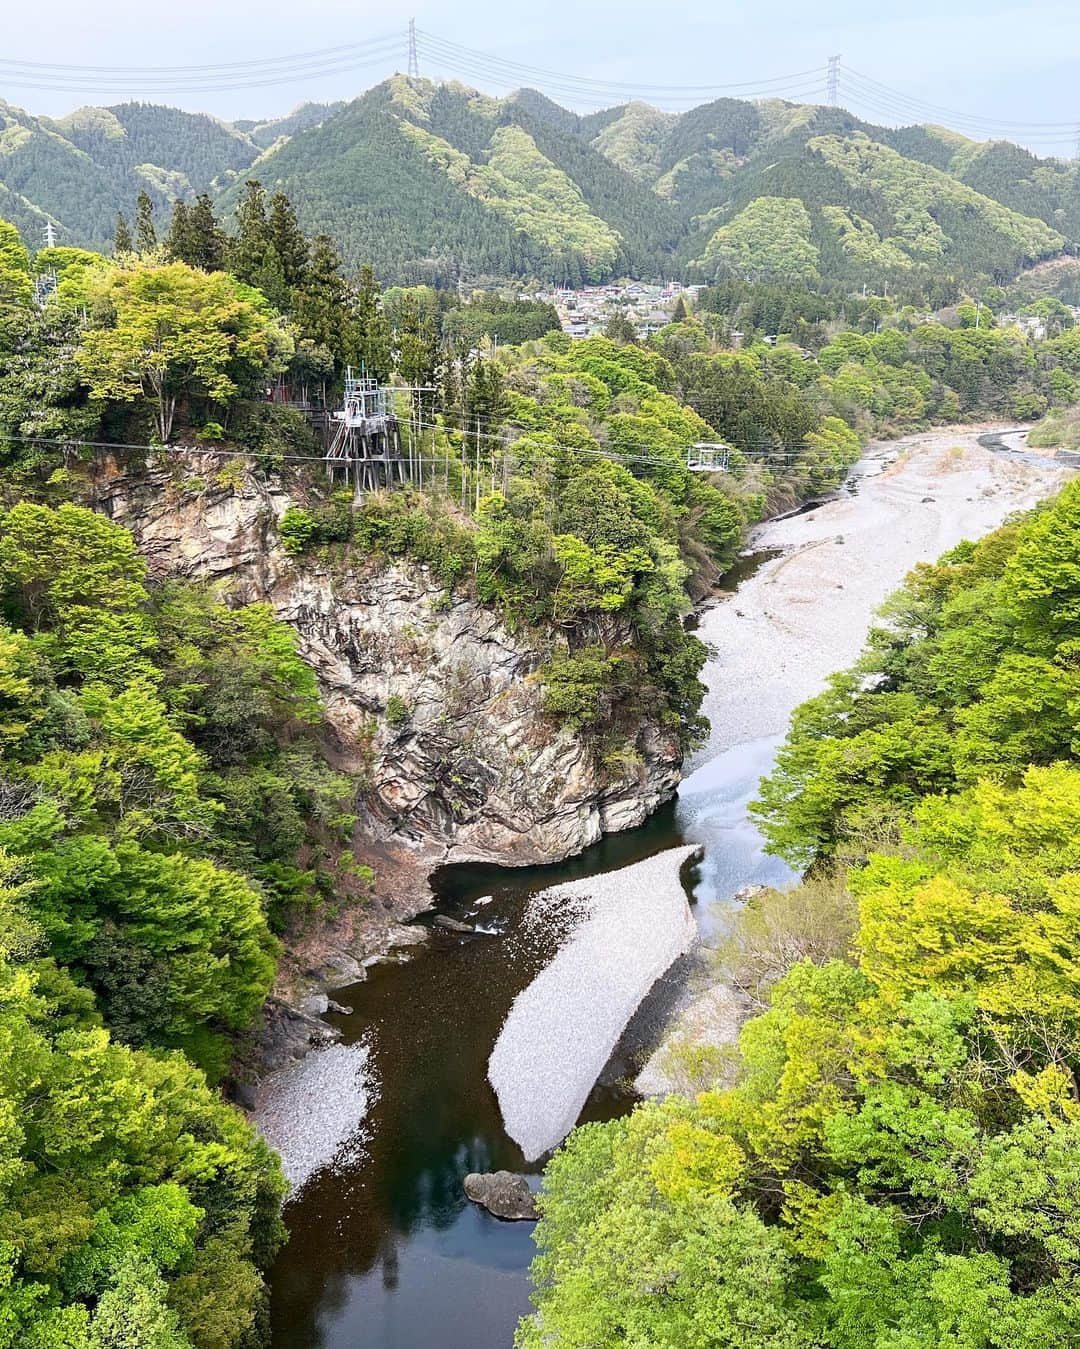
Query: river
x=384 y=1250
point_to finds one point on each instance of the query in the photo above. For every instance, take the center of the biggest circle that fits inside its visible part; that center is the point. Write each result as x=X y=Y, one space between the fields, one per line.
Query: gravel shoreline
x=312 y=1112
x=806 y=613
x=562 y=1028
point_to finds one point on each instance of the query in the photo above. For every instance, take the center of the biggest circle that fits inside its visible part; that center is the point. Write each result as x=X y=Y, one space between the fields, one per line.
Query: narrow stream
x=384 y=1250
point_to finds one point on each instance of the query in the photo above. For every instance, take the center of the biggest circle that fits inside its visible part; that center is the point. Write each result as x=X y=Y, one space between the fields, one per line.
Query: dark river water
x=385 y=1251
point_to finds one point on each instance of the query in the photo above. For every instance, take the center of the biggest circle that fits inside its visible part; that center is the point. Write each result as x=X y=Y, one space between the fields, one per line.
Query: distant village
x=649 y=307
x=587 y=311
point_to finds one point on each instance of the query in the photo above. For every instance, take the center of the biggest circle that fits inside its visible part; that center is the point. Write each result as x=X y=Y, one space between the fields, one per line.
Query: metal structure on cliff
x=365 y=447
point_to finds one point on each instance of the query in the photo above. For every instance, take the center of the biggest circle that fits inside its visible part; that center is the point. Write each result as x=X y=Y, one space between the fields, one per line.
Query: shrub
x=397 y=711
x=297 y=530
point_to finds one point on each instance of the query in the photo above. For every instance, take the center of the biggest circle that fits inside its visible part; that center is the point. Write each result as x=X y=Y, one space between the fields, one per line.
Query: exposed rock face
x=469 y=769
x=503 y=1194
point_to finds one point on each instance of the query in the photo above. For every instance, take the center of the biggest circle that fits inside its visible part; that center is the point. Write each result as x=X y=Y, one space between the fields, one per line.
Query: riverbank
x=794 y=620
x=385 y=1248
x=806 y=611
x=800 y=615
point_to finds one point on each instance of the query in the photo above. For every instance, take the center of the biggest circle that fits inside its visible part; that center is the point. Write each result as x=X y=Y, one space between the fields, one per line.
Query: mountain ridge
x=436 y=181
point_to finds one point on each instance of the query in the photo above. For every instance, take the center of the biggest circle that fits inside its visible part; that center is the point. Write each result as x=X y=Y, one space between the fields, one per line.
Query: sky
x=1001 y=69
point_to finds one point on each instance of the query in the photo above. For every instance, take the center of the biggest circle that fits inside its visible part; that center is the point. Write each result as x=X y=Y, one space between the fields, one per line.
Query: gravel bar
x=806 y=613
x=562 y=1028
x=312 y=1112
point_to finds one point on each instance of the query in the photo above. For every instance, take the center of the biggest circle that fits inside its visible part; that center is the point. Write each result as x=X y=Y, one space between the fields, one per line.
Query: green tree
x=287 y=240
x=209 y=245
x=178 y=243
x=174 y=333
x=122 y=240
x=416 y=342
x=250 y=245
x=372 y=327
x=133 y=1314
x=321 y=306
x=145 y=233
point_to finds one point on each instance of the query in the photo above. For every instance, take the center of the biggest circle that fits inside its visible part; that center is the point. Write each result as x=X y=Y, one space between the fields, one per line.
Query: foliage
x=169 y=333
x=769 y=239
x=123 y=1172
x=129 y=721
x=435 y=183
x=973 y=676
x=895 y=1162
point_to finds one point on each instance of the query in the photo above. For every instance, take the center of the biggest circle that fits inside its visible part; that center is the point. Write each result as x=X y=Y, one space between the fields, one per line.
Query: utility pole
x=832 y=82
x=414 y=60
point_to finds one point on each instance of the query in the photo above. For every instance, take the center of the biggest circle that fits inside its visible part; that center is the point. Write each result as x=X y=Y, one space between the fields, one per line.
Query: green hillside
x=848 y=209
x=264 y=134
x=81 y=169
x=435 y=182
x=432 y=182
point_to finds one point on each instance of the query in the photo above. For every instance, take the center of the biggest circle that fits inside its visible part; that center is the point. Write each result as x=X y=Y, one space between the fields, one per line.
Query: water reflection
x=386 y=1251
x=712 y=810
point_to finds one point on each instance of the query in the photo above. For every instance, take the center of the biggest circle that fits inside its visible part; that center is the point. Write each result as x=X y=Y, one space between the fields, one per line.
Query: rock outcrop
x=503 y=1194
x=465 y=767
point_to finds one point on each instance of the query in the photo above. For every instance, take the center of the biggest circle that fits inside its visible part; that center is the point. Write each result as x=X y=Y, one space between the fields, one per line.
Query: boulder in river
x=503 y=1194
x=452 y=924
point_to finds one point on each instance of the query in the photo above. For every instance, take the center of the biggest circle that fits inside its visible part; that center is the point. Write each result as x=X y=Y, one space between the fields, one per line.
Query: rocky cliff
x=465 y=767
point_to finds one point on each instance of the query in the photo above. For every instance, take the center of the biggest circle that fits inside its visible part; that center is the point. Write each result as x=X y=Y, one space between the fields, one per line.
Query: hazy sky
x=1017 y=64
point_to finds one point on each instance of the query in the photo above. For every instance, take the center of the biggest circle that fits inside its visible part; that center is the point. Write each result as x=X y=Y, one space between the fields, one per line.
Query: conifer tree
x=178 y=240
x=122 y=241
x=372 y=326
x=207 y=237
x=195 y=236
x=287 y=239
x=145 y=233
x=250 y=244
x=252 y=255
x=417 y=343
x=321 y=306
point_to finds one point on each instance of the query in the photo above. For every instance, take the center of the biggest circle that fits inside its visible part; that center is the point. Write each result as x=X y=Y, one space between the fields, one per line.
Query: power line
x=253 y=63
x=446 y=55
x=898 y=96
x=240 y=76
x=508 y=441
x=612 y=85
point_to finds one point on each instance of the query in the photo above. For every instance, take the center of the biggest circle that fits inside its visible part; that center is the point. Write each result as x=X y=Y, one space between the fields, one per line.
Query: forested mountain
x=438 y=183
x=79 y=171
x=432 y=182
x=302 y=117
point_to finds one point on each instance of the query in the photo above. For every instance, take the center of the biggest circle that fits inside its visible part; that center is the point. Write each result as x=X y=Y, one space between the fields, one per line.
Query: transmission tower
x=414 y=60
x=832 y=82
x=50 y=234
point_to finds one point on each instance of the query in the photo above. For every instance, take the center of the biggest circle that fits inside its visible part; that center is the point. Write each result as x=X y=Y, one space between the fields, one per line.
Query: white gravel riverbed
x=312 y=1112
x=806 y=613
x=802 y=615
x=562 y=1028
